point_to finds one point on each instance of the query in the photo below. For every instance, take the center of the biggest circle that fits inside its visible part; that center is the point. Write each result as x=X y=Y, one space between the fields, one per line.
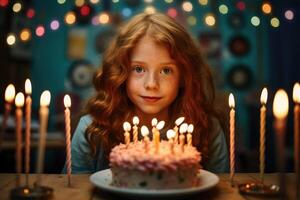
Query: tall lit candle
x=145 y=133
x=232 y=134
x=126 y=127
x=44 y=113
x=182 y=129
x=28 y=103
x=67 y=102
x=10 y=93
x=170 y=136
x=280 y=111
x=159 y=126
x=189 y=135
x=263 y=100
x=177 y=124
x=296 y=99
x=135 y=122
x=19 y=101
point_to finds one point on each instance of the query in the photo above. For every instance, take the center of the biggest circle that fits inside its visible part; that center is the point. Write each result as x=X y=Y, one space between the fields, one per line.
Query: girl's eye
x=138 y=69
x=166 y=71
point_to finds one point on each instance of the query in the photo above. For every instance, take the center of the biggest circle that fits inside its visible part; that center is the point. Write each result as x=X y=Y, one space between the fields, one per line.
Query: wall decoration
x=239 y=45
x=81 y=74
x=240 y=77
x=77 y=39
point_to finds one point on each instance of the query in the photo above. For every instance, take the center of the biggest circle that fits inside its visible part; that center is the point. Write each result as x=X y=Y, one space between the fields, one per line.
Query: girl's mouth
x=150 y=99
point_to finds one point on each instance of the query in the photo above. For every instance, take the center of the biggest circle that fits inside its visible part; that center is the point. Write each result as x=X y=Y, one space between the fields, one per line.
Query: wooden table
x=82 y=188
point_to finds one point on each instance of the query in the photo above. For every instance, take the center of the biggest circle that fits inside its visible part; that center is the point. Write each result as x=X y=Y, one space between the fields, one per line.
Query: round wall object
x=240 y=77
x=81 y=74
x=239 y=45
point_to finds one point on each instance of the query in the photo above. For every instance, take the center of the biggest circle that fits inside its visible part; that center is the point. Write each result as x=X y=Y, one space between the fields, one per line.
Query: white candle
x=296 y=99
x=135 y=122
x=159 y=126
x=177 y=124
x=232 y=134
x=127 y=127
x=170 y=136
x=28 y=103
x=263 y=100
x=19 y=101
x=183 y=128
x=44 y=113
x=145 y=133
x=67 y=103
x=189 y=135
x=153 y=123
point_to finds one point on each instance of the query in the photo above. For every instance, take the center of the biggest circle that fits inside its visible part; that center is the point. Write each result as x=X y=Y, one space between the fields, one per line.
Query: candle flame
x=19 y=101
x=154 y=122
x=45 y=98
x=10 y=93
x=179 y=121
x=183 y=128
x=190 y=128
x=144 y=131
x=28 y=87
x=281 y=104
x=231 y=101
x=67 y=101
x=160 y=125
x=170 y=134
x=135 y=120
x=264 y=96
x=296 y=93
x=126 y=126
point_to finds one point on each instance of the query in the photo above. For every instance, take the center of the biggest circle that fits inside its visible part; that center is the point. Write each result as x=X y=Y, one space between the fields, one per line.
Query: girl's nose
x=151 y=81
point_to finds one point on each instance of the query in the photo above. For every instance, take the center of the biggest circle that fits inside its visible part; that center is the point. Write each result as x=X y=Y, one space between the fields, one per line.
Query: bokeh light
x=223 y=9
x=255 y=21
x=187 y=6
x=103 y=18
x=203 y=2
x=126 y=12
x=275 y=22
x=61 y=1
x=79 y=3
x=4 y=3
x=266 y=8
x=17 y=7
x=192 y=20
x=241 y=5
x=169 y=1
x=289 y=15
x=210 y=20
x=85 y=10
x=54 y=25
x=40 y=31
x=172 y=12
x=150 y=10
x=30 y=13
x=94 y=1
x=11 y=39
x=70 y=17
x=25 y=34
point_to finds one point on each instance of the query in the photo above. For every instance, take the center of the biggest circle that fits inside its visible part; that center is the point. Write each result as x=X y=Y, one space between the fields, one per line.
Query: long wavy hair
x=110 y=107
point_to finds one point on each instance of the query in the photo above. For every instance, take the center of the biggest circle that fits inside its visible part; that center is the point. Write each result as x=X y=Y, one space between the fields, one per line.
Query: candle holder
x=259 y=189
x=25 y=192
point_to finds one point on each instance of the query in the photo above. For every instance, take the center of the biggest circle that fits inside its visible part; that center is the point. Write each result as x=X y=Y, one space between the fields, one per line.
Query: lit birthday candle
x=296 y=99
x=44 y=114
x=145 y=133
x=153 y=123
x=183 y=128
x=232 y=142
x=127 y=127
x=159 y=126
x=19 y=101
x=263 y=100
x=177 y=124
x=28 y=103
x=67 y=103
x=280 y=111
x=189 y=135
x=135 y=122
x=170 y=136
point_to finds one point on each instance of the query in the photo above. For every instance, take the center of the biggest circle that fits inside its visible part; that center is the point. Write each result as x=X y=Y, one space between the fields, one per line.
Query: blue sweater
x=83 y=162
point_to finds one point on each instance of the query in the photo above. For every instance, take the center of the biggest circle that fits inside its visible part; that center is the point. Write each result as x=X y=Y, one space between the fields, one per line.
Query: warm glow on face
x=67 y=101
x=281 y=104
x=231 y=101
x=264 y=96
x=296 y=93
x=170 y=134
x=183 y=128
x=126 y=126
x=10 y=93
x=19 y=101
x=45 y=98
x=144 y=131
x=28 y=87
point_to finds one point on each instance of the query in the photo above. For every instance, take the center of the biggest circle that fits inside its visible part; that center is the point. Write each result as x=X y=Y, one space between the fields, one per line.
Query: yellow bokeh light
x=11 y=39
x=61 y=1
x=168 y=1
x=266 y=8
x=275 y=22
x=103 y=18
x=70 y=18
x=148 y=1
x=223 y=9
x=17 y=7
x=150 y=10
x=79 y=3
x=25 y=34
x=192 y=20
x=255 y=21
x=94 y=1
x=203 y=2
x=187 y=6
x=210 y=20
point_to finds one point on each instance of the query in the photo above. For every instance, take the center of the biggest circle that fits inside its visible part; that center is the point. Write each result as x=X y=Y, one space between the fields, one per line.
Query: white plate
x=102 y=180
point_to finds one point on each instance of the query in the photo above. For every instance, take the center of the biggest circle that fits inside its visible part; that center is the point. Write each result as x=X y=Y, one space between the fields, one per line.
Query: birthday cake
x=155 y=164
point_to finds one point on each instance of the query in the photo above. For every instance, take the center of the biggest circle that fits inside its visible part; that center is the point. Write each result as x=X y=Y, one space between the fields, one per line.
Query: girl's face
x=153 y=80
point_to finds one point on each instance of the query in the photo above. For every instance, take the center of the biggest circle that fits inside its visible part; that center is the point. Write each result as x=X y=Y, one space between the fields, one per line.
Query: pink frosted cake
x=132 y=167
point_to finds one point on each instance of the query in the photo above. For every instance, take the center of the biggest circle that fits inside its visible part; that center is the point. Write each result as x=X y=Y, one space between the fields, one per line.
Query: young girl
x=151 y=69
